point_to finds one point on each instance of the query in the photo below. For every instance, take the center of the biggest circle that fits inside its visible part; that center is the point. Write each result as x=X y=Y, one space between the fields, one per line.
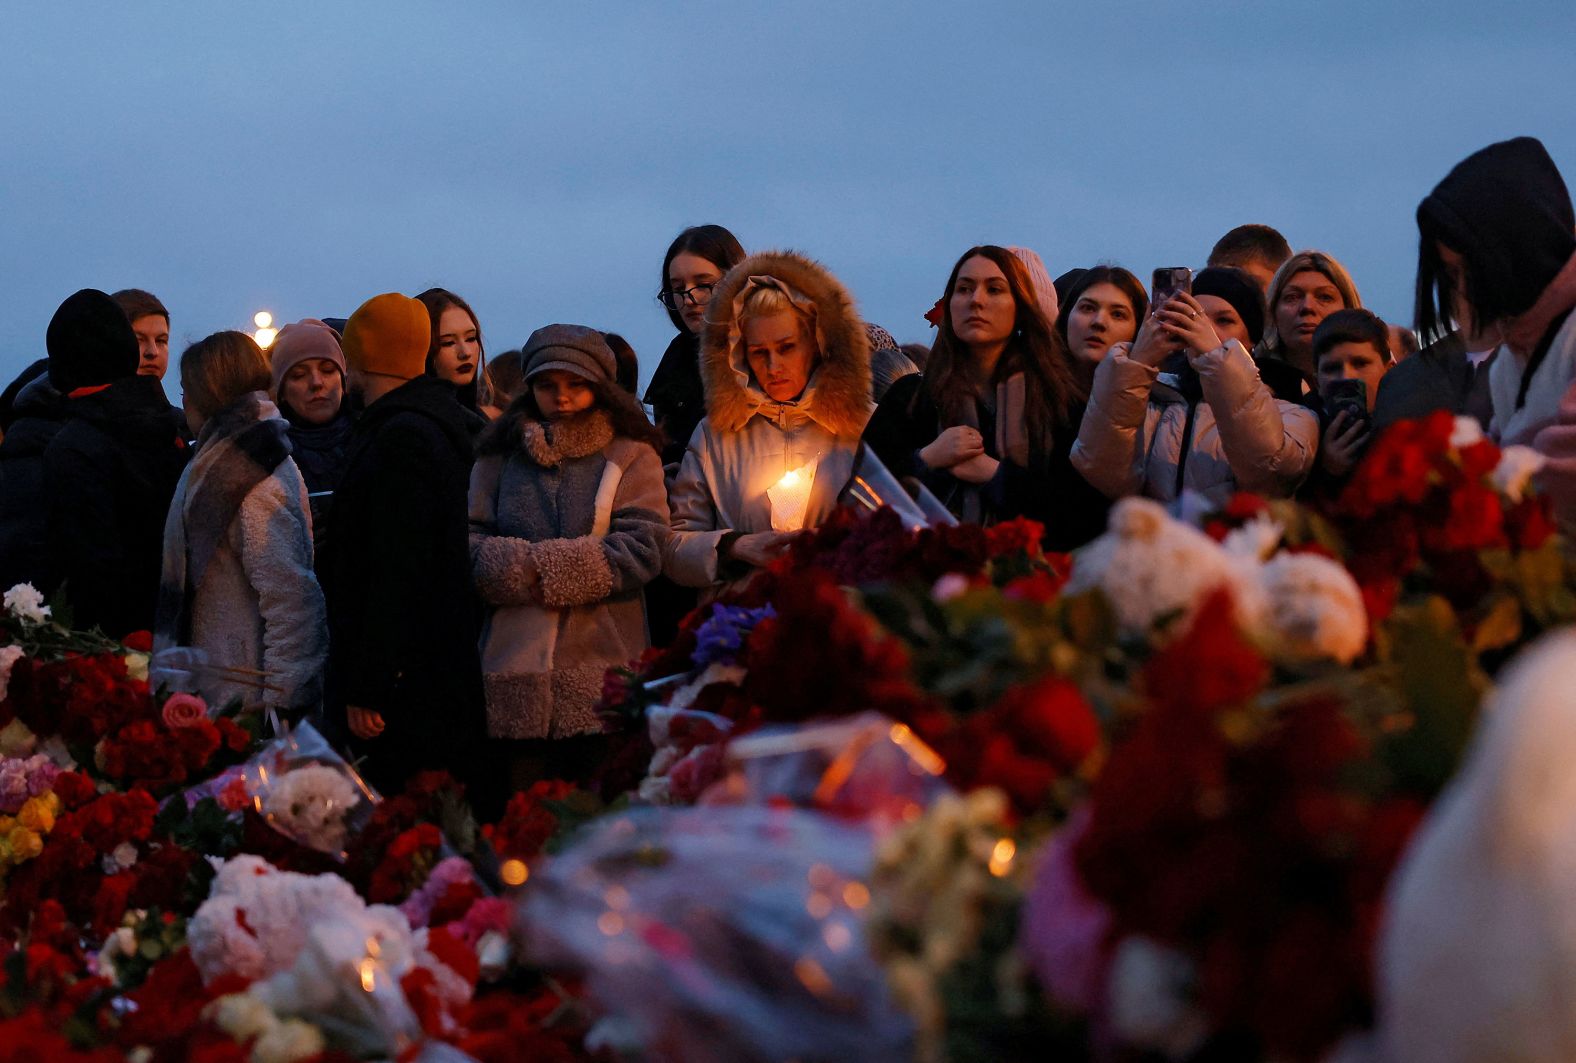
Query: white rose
x=1517 y=464
x=1465 y=433
x=1148 y=1005
x=242 y=1015
x=122 y=858
x=950 y=586
x=26 y=603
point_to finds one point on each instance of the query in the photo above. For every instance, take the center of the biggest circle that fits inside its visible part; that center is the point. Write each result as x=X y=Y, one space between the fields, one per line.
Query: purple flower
x=13 y=786
x=719 y=639
x=41 y=772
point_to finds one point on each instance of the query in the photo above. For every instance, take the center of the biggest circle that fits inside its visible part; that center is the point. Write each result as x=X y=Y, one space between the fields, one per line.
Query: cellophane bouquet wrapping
x=722 y=933
x=306 y=791
x=866 y=767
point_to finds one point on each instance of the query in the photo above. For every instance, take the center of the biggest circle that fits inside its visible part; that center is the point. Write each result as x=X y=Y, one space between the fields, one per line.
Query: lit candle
x=790 y=497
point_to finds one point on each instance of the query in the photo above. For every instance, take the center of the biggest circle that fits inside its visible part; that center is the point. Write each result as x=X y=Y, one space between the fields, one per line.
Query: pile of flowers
x=965 y=799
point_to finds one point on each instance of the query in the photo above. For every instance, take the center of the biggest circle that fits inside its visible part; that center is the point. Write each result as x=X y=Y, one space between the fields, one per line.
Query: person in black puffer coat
x=31 y=419
x=110 y=471
x=404 y=619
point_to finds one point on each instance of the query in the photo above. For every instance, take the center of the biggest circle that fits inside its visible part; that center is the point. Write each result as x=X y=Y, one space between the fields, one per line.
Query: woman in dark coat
x=404 y=674
x=31 y=419
x=695 y=262
x=110 y=471
x=989 y=425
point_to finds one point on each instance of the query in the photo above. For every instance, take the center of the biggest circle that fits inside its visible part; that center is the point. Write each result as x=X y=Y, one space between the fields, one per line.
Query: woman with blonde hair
x=237 y=575
x=1308 y=287
x=786 y=365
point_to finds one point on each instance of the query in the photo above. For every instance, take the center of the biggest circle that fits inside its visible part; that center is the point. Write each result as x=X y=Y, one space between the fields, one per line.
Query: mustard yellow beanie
x=388 y=334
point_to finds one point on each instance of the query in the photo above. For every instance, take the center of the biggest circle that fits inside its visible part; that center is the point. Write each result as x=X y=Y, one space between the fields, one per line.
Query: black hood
x=90 y=342
x=1507 y=211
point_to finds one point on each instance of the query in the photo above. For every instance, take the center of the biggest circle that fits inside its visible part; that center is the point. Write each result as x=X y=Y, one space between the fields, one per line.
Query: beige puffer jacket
x=748 y=441
x=1131 y=440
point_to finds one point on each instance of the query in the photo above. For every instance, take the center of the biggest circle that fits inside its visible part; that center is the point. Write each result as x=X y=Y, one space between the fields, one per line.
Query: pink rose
x=184 y=710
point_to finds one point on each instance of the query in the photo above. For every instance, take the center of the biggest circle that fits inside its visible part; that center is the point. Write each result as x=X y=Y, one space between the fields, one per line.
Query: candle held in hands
x=790 y=497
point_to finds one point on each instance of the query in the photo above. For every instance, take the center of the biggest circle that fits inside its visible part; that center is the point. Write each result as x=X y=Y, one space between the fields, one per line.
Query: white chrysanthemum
x=26 y=603
x=1153 y=568
x=1515 y=470
x=1314 y=609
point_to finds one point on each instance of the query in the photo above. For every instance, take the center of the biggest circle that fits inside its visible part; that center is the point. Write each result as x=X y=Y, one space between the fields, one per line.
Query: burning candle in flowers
x=790 y=497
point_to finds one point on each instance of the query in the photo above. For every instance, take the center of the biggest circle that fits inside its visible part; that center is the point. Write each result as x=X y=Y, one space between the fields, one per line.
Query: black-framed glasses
x=697 y=295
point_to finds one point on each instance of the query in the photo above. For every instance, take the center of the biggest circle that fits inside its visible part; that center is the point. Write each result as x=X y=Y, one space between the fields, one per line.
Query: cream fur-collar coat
x=747 y=440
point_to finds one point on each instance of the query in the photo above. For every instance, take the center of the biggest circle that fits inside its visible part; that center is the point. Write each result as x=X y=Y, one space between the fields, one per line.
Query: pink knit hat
x=1043 y=288
x=307 y=338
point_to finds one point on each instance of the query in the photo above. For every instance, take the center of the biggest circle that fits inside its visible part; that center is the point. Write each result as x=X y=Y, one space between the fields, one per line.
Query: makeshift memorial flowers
x=306 y=791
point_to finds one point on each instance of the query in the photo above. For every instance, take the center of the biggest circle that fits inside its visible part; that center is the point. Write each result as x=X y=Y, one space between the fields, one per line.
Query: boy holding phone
x=1351 y=351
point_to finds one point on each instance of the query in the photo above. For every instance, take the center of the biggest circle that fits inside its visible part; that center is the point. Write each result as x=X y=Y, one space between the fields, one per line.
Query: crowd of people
x=436 y=555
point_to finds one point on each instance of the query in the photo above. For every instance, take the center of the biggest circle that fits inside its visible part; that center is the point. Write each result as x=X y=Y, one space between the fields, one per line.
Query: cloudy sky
x=537 y=159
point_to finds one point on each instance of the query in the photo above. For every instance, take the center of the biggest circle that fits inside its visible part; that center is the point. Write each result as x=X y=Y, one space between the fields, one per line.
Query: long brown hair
x=1034 y=349
x=622 y=408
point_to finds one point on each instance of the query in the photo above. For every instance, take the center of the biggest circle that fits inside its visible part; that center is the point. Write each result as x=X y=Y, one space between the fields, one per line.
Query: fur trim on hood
x=838 y=395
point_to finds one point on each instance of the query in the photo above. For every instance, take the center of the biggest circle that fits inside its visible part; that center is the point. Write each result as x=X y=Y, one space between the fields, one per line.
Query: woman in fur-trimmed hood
x=568 y=515
x=786 y=364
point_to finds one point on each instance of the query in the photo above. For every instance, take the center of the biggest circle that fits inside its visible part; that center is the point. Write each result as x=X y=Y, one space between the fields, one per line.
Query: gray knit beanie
x=572 y=348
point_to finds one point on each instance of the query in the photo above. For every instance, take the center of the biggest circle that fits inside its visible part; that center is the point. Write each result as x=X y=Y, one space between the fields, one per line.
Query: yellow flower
x=37 y=815
x=6 y=823
x=24 y=844
x=137 y=666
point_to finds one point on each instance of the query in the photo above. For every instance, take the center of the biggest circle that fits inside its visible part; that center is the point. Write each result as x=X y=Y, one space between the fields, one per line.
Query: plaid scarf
x=237 y=449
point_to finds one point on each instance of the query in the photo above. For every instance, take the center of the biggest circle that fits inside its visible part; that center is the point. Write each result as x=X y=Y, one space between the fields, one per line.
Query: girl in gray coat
x=569 y=517
x=237 y=579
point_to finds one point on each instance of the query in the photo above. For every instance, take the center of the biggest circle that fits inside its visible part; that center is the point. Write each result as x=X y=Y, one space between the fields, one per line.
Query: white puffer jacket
x=1243 y=438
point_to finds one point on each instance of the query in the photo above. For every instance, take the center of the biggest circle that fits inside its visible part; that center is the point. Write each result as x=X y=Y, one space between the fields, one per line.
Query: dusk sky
x=300 y=158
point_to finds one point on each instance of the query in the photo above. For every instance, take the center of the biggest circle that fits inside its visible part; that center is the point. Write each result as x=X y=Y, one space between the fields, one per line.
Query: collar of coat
x=838 y=395
x=549 y=444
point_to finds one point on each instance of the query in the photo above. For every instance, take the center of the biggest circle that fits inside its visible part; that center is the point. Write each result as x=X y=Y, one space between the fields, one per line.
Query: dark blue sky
x=301 y=157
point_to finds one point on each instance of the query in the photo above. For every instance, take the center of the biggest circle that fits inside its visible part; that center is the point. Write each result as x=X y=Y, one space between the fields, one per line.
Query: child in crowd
x=568 y=517
x=1348 y=345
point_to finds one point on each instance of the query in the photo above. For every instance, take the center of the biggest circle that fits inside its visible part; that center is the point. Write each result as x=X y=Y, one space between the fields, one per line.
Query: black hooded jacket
x=109 y=474
x=676 y=395
x=403 y=614
x=36 y=416
x=1507 y=211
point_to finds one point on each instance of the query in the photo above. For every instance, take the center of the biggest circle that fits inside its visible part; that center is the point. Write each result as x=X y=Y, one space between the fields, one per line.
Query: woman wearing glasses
x=695 y=262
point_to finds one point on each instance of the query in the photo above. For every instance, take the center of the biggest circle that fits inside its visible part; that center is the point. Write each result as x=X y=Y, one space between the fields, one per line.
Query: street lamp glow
x=265 y=337
x=263 y=319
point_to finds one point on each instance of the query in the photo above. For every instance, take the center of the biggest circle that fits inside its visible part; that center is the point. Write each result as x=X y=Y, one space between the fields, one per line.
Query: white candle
x=790 y=497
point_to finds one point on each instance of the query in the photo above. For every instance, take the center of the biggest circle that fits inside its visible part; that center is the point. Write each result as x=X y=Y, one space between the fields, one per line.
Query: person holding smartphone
x=1351 y=349
x=1182 y=408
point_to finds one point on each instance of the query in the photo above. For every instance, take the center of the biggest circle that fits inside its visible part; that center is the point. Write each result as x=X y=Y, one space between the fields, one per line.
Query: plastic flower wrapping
x=306 y=791
x=723 y=933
